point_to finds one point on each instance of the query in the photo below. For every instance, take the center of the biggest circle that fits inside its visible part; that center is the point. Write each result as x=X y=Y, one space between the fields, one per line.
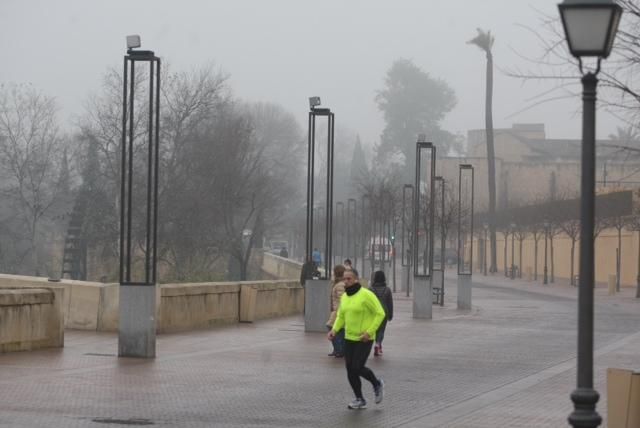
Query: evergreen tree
x=358 y=167
x=413 y=103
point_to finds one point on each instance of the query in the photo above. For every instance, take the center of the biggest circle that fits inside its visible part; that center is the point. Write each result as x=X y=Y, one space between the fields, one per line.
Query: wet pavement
x=508 y=362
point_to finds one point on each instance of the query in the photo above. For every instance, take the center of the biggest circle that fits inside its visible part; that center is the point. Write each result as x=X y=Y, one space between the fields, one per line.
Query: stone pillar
x=611 y=283
x=317 y=301
x=137 y=325
x=404 y=281
x=464 y=291
x=422 y=298
x=438 y=278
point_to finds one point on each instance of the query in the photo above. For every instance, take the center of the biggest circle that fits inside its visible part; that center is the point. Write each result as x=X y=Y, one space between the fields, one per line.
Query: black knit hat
x=379 y=278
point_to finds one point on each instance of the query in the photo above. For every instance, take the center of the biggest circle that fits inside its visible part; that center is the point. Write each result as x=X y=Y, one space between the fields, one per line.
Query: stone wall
x=94 y=306
x=280 y=267
x=180 y=307
x=31 y=318
x=605 y=256
x=86 y=305
x=202 y=305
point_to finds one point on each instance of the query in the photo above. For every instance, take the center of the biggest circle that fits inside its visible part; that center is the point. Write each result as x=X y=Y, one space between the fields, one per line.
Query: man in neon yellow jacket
x=360 y=314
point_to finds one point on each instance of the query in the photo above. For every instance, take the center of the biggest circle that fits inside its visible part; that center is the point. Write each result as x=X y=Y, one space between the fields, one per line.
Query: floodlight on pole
x=133 y=41
x=314 y=102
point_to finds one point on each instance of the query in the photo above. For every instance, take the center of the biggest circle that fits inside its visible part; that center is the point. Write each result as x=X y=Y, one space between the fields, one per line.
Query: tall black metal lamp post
x=340 y=229
x=465 y=235
x=406 y=248
x=423 y=218
x=138 y=208
x=365 y=229
x=317 y=292
x=439 y=264
x=351 y=229
x=590 y=27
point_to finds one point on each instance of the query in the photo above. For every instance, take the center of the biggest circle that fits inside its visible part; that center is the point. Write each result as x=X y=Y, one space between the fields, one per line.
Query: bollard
x=422 y=298
x=317 y=298
x=464 y=291
x=612 y=285
x=623 y=398
x=529 y=274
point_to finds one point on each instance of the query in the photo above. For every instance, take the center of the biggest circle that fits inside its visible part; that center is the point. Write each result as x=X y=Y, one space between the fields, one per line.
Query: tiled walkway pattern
x=507 y=363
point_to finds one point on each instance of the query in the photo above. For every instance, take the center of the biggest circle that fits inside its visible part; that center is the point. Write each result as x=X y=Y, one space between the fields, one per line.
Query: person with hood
x=360 y=314
x=336 y=293
x=385 y=296
x=347 y=264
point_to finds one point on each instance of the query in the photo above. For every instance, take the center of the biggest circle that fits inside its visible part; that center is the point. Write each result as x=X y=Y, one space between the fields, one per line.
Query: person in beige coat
x=336 y=293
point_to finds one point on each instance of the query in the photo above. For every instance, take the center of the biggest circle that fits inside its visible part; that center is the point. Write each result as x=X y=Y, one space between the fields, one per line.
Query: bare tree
x=381 y=184
x=505 y=230
x=537 y=232
x=618 y=223
x=449 y=218
x=193 y=103
x=270 y=168
x=521 y=236
x=618 y=78
x=634 y=224
x=189 y=238
x=572 y=229
x=30 y=153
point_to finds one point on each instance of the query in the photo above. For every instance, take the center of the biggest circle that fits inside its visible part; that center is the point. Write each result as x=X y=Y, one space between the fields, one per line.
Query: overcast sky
x=284 y=51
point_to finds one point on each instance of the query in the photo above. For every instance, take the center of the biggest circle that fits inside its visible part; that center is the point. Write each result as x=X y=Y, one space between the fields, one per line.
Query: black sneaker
x=358 y=403
x=379 y=391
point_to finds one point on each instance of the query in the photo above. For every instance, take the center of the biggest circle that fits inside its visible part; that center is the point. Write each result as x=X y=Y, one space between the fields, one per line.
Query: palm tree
x=484 y=40
x=629 y=136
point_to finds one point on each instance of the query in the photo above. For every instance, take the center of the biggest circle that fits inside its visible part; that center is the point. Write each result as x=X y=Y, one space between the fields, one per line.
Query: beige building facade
x=532 y=168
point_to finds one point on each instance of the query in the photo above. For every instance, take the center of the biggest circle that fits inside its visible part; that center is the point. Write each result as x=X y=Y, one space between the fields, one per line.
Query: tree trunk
x=520 y=260
x=34 y=246
x=491 y=163
x=535 y=258
x=638 y=273
x=506 y=239
x=243 y=271
x=573 y=249
x=552 y=264
x=619 y=261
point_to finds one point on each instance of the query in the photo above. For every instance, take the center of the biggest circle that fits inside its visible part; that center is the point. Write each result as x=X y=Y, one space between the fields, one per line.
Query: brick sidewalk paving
x=509 y=362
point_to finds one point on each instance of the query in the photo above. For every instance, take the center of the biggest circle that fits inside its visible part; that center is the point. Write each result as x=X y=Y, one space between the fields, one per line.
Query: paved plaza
x=508 y=362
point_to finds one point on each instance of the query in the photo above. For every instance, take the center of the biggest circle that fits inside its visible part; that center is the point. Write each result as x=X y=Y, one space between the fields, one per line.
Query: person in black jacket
x=385 y=296
x=309 y=269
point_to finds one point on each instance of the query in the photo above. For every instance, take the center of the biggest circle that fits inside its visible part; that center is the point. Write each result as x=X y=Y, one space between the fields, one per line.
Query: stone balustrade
x=280 y=267
x=31 y=318
x=179 y=307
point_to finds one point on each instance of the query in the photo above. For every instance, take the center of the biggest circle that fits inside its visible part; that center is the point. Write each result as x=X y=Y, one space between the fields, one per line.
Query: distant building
x=530 y=167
